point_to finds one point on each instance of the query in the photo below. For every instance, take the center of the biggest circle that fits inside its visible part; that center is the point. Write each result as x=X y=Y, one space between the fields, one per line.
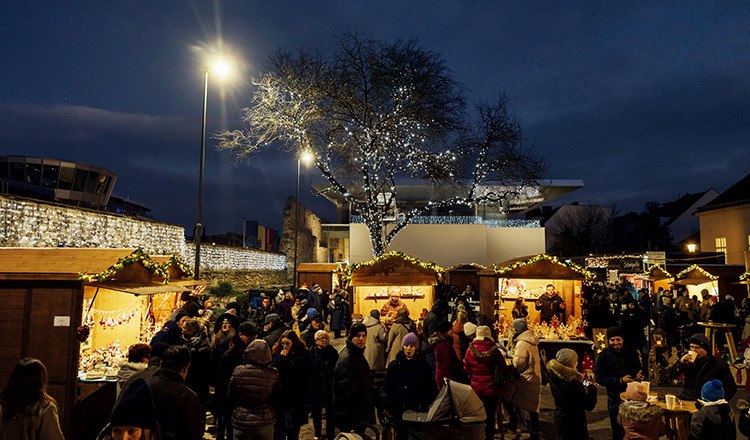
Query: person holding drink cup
x=616 y=366
x=700 y=368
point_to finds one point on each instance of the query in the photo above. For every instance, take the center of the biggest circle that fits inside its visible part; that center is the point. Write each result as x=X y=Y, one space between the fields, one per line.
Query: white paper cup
x=671 y=400
x=646 y=387
x=693 y=355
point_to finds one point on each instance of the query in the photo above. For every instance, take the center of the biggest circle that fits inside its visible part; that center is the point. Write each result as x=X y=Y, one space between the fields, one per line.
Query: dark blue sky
x=642 y=100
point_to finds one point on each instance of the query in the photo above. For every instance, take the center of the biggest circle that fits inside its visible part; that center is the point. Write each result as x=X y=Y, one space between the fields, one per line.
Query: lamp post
x=307 y=157
x=220 y=67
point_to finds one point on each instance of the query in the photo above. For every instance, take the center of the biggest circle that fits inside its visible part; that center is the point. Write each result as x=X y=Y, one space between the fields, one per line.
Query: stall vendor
x=391 y=308
x=550 y=304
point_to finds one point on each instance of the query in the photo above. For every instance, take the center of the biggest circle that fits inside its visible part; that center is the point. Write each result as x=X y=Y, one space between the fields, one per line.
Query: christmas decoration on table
x=599 y=335
x=555 y=330
x=102 y=362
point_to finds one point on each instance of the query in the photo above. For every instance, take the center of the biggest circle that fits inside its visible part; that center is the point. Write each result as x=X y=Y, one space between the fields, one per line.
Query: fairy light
x=700 y=270
x=500 y=270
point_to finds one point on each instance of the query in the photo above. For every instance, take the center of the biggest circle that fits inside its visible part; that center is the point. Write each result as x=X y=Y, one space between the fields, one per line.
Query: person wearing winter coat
x=377 y=336
x=525 y=393
x=251 y=391
x=550 y=305
x=323 y=358
x=133 y=416
x=401 y=326
x=353 y=387
x=703 y=368
x=460 y=341
x=408 y=382
x=231 y=359
x=308 y=336
x=273 y=328
x=137 y=361
x=435 y=316
x=572 y=397
x=714 y=418
x=339 y=308
x=480 y=361
x=196 y=341
x=640 y=419
x=291 y=358
x=447 y=364
x=27 y=412
x=616 y=366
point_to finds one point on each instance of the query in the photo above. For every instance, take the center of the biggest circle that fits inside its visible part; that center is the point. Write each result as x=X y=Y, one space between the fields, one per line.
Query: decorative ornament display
x=101 y=362
x=82 y=333
x=587 y=367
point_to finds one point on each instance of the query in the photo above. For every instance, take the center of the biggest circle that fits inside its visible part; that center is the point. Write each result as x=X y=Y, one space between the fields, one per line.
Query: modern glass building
x=61 y=181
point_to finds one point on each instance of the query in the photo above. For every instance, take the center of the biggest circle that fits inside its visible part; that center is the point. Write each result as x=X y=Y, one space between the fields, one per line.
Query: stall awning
x=541 y=266
x=56 y=263
x=139 y=289
x=656 y=273
x=395 y=269
x=694 y=275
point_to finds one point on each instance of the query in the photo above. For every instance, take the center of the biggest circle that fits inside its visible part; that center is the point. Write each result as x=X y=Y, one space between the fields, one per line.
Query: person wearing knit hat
x=353 y=385
x=133 y=415
x=402 y=325
x=572 y=397
x=408 y=383
x=639 y=418
x=470 y=329
x=481 y=360
x=377 y=338
x=615 y=367
x=714 y=416
x=484 y=333
x=700 y=367
x=519 y=325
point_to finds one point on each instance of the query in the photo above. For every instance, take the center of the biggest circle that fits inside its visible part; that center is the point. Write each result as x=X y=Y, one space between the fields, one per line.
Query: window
x=721 y=245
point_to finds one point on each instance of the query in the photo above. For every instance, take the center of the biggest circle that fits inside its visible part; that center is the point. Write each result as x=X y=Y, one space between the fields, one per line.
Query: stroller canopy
x=455 y=399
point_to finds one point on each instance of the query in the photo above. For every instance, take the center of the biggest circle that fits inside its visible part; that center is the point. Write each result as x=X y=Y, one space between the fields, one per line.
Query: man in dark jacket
x=572 y=397
x=353 y=388
x=273 y=328
x=550 y=305
x=438 y=314
x=616 y=366
x=702 y=369
x=177 y=406
x=246 y=333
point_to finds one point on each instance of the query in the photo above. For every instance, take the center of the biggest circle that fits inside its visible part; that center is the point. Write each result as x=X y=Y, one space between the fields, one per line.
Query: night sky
x=642 y=100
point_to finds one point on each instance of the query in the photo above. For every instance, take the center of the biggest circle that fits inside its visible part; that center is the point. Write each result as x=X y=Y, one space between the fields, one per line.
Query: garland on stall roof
x=429 y=265
x=659 y=268
x=551 y=258
x=174 y=260
x=138 y=256
x=745 y=276
x=699 y=269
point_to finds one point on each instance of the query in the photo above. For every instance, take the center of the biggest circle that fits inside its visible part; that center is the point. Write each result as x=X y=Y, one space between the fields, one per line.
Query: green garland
x=745 y=276
x=699 y=269
x=536 y=258
x=659 y=268
x=349 y=270
x=174 y=260
x=138 y=256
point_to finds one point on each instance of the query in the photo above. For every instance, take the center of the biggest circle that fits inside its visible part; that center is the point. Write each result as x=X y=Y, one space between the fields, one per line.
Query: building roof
x=735 y=195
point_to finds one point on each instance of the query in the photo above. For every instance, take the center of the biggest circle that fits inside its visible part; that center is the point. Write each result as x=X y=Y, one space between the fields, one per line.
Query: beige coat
x=526 y=392
x=395 y=336
x=377 y=335
x=43 y=425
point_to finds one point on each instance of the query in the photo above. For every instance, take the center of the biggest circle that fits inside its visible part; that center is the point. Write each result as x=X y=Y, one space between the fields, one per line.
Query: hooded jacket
x=375 y=348
x=400 y=328
x=641 y=420
x=446 y=361
x=713 y=421
x=526 y=392
x=479 y=363
x=703 y=370
x=251 y=387
x=572 y=400
x=408 y=384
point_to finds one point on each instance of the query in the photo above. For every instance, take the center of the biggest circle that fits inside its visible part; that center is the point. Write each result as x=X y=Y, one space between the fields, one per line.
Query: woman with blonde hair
x=27 y=412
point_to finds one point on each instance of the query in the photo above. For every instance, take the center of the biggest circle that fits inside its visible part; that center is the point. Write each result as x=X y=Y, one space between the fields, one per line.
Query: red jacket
x=479 y=362
x=446 y=361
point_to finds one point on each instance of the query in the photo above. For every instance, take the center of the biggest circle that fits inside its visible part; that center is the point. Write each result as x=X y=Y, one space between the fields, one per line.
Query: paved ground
x=598 y=419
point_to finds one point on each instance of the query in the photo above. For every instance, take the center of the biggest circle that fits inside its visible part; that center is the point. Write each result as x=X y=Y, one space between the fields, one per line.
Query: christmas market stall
x=79 y=325
x=656 y=276
x=719 y=279
x=527 y=279
x=394 y=274
x=326 y=275
x=463 y=275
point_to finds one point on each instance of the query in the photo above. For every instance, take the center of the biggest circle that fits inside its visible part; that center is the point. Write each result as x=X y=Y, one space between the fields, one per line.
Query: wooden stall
x=462 y=275
x=657 y=276
x=527 y=277
x=327 y=275
x=394 y=273
x=718 y=279
x=45 y=297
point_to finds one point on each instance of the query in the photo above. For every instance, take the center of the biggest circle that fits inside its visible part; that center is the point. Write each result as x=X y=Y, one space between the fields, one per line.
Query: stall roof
x=468 y=267
x=395 y=269
x=56 y=263
x=541 y=266
x=745 y=278
x=319 y=267
x=694 y=275
x=657 y=272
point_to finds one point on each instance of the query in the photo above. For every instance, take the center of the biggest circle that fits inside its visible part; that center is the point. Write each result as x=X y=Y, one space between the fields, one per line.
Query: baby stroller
x=455 y=414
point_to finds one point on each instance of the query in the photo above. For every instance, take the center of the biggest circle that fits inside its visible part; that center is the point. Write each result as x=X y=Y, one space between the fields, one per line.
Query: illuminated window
x=721 y=245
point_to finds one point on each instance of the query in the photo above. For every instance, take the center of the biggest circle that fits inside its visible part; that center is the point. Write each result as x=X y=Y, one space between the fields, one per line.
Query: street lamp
x=307 y=157
x=220 y=66
x=692 y=247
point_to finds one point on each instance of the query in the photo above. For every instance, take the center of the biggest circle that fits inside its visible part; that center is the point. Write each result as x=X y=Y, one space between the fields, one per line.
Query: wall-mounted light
x=691 y=247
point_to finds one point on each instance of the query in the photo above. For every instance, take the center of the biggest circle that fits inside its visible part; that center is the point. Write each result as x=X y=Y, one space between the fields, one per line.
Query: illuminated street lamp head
x=307 y=157
x=220 y=66
x=691 y=247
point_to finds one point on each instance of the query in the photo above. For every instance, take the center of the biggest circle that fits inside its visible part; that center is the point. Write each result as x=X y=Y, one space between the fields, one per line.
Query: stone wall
x=248 y=279
x=309 y=235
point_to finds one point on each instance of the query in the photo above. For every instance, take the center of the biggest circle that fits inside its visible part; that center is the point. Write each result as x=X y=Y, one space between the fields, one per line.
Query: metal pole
x=296 y=225
x=199 y=219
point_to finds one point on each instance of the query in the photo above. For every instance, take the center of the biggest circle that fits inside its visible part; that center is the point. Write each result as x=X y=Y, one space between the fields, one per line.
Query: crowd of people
x=265 y=371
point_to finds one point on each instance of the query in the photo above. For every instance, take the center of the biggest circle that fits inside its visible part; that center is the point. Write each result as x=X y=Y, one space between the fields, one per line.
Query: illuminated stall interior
x=657 y=277
x=528 y=277
x=374 y=281
x=695 y=279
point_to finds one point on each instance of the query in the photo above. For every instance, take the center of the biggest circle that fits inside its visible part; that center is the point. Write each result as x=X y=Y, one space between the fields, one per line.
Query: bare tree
x=377 y=113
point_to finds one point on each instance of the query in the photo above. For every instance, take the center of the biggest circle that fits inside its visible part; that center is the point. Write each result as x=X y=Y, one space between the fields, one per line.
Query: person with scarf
x=525 y=393
x=640 y=419
x=714 y=417
x=572 y=397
